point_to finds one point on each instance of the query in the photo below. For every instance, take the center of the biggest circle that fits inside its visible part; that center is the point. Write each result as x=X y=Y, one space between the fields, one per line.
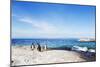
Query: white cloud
x=40 y=26
x=16 y=16
x=26 y=20
x=46 y=29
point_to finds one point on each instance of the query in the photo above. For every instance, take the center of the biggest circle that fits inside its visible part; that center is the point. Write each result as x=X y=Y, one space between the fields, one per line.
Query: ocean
x=54 y=43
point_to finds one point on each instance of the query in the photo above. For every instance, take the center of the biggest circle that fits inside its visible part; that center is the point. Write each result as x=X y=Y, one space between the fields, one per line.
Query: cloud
x=40 y=25
x=46 y=29
x=40 y=29
x=16 y=16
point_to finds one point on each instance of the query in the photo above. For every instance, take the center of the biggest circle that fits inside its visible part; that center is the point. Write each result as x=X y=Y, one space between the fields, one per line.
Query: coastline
x=23 y=55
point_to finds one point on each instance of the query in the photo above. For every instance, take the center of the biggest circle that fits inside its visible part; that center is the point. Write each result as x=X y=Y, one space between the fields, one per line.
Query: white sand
x=25 y=56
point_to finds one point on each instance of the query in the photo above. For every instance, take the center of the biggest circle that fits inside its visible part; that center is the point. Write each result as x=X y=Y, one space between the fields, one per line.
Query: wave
x=85 y=49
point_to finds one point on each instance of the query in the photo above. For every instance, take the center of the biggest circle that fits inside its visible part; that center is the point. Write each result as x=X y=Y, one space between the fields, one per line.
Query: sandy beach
x=23 y=55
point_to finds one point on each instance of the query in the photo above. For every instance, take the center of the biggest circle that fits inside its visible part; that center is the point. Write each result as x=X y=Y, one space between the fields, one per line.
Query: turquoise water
x=54 y=43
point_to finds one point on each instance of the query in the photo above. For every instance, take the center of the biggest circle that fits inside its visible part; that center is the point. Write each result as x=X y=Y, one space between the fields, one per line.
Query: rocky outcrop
x=87 y=40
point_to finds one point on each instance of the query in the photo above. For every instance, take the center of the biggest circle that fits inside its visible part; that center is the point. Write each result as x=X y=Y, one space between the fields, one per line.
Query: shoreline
x=23 y=55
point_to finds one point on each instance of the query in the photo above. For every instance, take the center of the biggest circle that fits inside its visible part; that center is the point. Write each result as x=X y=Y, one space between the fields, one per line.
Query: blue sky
x=42 y=20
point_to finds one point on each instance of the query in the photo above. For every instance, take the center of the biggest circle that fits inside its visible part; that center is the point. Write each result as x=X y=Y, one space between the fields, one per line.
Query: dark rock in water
x=67 y=48
x=89 y=56
x=61 y=48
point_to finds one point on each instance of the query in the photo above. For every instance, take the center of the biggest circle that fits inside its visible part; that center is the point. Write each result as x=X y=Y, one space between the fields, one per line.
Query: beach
x=23 y=55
